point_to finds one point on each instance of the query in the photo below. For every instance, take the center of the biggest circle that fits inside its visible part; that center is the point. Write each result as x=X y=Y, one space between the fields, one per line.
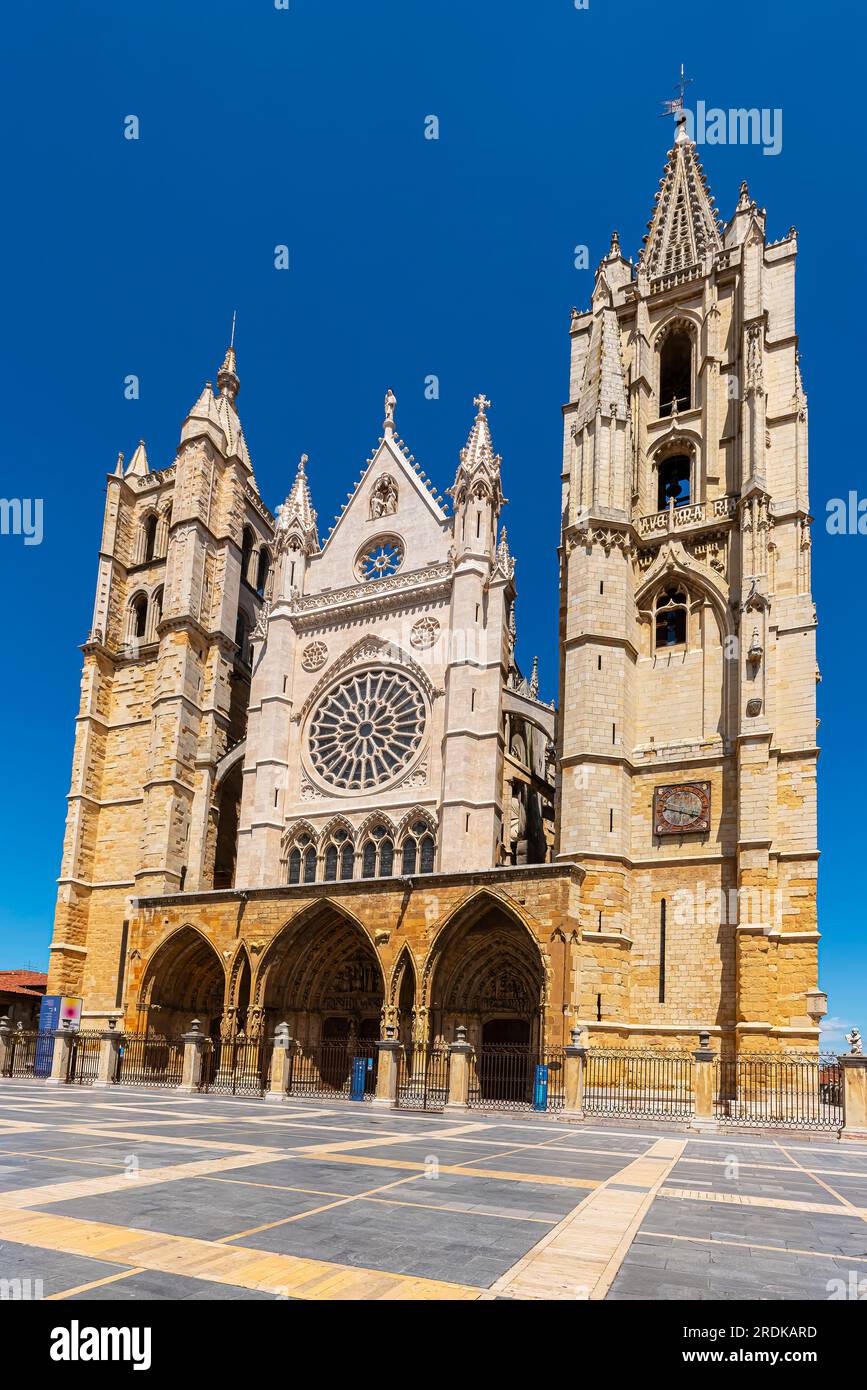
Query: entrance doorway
x=506 y=1030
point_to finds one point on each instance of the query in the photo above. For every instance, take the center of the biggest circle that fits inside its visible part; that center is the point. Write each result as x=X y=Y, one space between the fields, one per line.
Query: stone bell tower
x=687 y=733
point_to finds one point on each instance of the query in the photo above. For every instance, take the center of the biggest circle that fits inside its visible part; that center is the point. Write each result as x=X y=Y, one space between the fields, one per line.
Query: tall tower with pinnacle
x=687 y=731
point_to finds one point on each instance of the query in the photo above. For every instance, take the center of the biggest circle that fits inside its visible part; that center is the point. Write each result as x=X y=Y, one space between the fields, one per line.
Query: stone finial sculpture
x=854 y=1041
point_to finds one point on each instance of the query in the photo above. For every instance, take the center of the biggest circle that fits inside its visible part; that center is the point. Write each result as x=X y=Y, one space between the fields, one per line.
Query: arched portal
x=184 y=979
x=322 y=977
x=487 y=974
x=402 y=1012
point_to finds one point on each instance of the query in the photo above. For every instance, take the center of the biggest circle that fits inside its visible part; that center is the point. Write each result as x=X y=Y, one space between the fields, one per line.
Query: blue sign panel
x=540 y=1088
x=49 y=1019
x=359 y=1073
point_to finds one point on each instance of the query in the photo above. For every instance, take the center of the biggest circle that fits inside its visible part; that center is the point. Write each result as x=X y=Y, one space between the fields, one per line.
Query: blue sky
x=408 y=258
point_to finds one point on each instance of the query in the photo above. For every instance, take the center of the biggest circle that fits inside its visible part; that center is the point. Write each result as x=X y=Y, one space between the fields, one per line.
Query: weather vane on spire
x=674 y=105
x=232 y=338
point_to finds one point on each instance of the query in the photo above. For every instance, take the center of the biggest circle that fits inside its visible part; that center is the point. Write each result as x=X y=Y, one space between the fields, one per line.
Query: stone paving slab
x=513 y=1206
x=196 y=1208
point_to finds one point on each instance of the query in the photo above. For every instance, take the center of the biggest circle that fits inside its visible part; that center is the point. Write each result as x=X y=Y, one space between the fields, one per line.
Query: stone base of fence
x=854 y=1070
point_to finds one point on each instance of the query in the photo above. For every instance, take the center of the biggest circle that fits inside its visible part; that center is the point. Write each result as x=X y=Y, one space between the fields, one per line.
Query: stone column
x=194 y=1046
x=704 y=1058
x=5 y=1045
x=281 y=1064
x=60 y=1057
x=460 y=1052
x=854 y=1069
x=386 y=1072
x=573 y=1077
x=109 y=1046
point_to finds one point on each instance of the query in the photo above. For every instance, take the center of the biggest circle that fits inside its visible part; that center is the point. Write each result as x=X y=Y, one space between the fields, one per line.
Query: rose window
x=366 y=729
x=382 y=557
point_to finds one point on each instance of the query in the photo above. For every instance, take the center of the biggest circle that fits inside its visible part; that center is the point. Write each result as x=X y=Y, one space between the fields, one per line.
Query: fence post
x=5 y=1046
x=459 y=1073
x=281 y=1063
x=705 y=1059
x=109 y=1046
x=60 y=1057
x=386 y=1072
x=573 y=1077
x=854 y=1070
x=194 y=1043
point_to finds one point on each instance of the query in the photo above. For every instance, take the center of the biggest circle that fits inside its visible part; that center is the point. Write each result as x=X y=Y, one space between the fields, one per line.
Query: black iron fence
x=82 y=1064
x=334 y=1069
x=772 y=1090
x=29 y=1053
x=502 y=1076
x=631 y=1082
x=233 y=1066
x=423 y=1076
x=149 y=1061
x=779 y=1091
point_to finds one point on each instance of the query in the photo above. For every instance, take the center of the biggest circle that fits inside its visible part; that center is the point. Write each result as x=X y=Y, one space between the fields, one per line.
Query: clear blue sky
x=409 y=257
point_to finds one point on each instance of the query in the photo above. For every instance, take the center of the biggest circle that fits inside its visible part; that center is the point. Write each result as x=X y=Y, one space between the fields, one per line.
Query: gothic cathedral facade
x=312 y=785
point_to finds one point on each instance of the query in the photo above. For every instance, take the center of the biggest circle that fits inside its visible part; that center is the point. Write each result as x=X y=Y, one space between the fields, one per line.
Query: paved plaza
x=136 y=1194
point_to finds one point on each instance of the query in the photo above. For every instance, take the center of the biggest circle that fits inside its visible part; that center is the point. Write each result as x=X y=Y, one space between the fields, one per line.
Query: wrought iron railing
x=148 y=1061
x=325 y=1069
x=779 y=1090
x=632 y=1082
x=235 y=1066
x=423 y=1076
x=83 y=1062
x=29 y=1053
x=502 y=1076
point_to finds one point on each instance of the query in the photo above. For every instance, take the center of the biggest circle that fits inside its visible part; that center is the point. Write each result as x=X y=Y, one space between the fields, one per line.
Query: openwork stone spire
x=297 y=516
x=684 y=227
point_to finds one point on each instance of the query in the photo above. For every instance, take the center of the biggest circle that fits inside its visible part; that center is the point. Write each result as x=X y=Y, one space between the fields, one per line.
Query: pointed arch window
x=674 y=482
x=302 y=859
x=426 y=854
x=377 y=855
x=671 y=611
x=263 y=569
x=675 y=372
x=138 y=617
x=149 y=538
x=156 y=612
x=347 y=861
x=418 y=850
x=242 y=639
x=248 y=540
x=368 y=860
x=331 y=863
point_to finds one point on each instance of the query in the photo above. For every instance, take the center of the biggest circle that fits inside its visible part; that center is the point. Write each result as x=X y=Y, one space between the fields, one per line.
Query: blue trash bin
x=540 y=1088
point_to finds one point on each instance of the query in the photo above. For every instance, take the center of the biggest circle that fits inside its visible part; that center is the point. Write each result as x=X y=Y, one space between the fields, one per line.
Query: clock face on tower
x=681 y=810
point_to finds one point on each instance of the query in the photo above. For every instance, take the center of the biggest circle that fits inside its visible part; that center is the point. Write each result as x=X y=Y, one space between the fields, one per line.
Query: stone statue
x=383 y=501
x=854 y=1041
x=390 y=403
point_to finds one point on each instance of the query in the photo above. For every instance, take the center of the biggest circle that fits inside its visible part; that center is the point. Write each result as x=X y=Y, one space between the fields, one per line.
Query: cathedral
x=311 y=784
